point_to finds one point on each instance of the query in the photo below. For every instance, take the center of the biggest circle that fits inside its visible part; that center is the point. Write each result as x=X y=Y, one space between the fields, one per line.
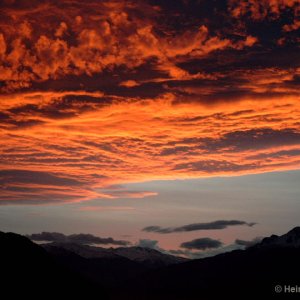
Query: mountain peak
x=143 y=255
x=290 y=239
x=295 y=231
x=148 y=255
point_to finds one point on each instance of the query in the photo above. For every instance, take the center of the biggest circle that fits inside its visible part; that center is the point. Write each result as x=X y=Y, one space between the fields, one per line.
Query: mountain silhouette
x=70 y=270
x=150 y=258
x=240 y=274
x=109 y=266
x=27 y=270
x=100 y=267
x=290 y=239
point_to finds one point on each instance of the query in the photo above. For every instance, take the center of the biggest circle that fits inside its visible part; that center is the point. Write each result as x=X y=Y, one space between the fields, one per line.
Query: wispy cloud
x=201 y=244
x=215 y=225
x=106 y=208
x=80 y=238
x=248 y=243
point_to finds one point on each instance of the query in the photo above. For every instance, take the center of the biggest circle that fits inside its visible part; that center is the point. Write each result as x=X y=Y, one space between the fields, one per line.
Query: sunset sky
x=136 y=119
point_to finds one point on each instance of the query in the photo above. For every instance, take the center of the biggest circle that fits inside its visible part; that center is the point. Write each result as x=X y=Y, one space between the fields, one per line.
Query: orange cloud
x=260 y=9
x=105 y=37
x=129 y=83
x=100 y=93
x=290 y=27
x=75 y=158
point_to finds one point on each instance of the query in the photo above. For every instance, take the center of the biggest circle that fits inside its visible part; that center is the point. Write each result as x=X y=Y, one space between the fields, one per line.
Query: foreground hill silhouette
x=27 y=270
x=251 y=273
x=73 y=270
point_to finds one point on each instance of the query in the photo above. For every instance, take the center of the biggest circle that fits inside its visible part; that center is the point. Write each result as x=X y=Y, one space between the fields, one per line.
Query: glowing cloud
x=101 y=93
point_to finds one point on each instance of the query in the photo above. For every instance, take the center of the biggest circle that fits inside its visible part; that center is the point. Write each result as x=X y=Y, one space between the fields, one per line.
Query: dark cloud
x=37 y=187
x=48 y=237
x=234 y=141
x=76 y=238
x=211 y=165
x=36 y=177
x=249 y=243
x=215 y=225
x=276 y=154
x=8 y=119
x=201 y=253
x=197 y=248
x=256 y=139
x=230 y=60
x=58 y=107
x=202 y=244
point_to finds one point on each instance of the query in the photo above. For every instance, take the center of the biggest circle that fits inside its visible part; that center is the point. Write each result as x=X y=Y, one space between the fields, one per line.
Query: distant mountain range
x=70 y=270
x=109 y=266
x=290 y=239
x=147 y=257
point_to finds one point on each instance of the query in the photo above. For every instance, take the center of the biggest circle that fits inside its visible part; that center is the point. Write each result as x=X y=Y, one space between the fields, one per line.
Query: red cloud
x=260 y=9
x=76 y=158
x=105 y=37
x=98 y=93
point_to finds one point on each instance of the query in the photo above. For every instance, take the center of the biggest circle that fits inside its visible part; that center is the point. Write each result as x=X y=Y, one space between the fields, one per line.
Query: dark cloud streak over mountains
x=215 y=225
x=85 y=239
x=201 y=244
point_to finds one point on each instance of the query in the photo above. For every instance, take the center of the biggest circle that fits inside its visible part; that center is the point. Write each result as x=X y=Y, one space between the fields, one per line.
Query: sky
x=172 y=124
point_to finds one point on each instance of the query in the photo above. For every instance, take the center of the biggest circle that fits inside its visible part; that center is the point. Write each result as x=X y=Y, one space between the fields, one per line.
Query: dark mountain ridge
x=30 y=270
x=239 y=274
x=290 y=239
x=27 y=270
x=150 y=258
